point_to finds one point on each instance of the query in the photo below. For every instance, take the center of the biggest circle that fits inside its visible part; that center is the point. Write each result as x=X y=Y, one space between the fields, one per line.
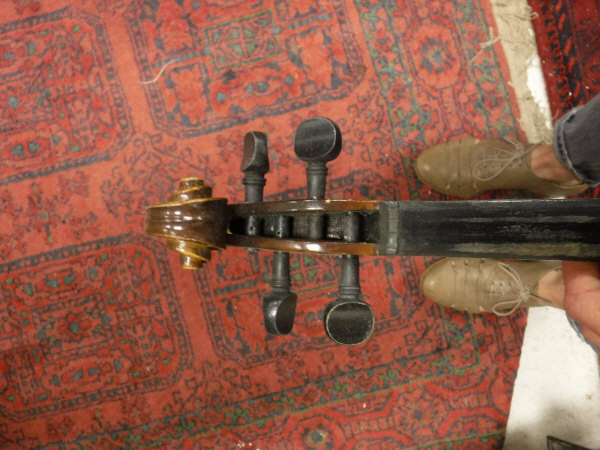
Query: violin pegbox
x=194 y=223
x=348 y=320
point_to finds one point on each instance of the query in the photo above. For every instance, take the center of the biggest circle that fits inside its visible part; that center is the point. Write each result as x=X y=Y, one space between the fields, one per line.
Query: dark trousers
x=577 y=141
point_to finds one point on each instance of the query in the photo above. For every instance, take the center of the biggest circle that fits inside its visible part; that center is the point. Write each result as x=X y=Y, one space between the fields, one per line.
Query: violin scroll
x=192 y=221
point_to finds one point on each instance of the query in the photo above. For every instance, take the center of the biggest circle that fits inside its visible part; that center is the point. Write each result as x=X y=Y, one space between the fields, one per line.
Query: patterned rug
x=567 y=37
x=105 y=342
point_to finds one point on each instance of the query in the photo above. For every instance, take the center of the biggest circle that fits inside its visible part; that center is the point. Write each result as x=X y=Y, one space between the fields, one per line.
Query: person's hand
x=582 y=297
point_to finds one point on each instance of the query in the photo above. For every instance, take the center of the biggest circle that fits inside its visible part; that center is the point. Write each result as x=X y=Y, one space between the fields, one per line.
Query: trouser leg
x=577 y=141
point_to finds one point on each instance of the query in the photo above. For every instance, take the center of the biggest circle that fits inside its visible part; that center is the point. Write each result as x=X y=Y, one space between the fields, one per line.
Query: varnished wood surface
x=199 y=220
x=302 y=245
x=296 y=206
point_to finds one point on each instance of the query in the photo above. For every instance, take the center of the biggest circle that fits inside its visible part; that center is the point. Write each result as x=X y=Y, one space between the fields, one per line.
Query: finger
x=591 y=336
x=582 y=293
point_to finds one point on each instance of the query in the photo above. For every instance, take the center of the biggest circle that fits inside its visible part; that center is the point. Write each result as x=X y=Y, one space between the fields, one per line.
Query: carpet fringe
x=513 y=20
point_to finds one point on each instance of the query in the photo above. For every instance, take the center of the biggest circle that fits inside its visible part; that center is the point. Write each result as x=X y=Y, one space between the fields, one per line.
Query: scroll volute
x=192 y=221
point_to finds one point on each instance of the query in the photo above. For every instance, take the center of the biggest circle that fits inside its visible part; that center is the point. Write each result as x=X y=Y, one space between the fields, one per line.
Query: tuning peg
x=349 y=320
x=279 y=306
x=255 y=163
x=317 y=141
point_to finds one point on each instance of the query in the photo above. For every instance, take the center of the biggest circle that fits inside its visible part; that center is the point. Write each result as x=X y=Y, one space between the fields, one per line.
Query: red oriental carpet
x=105 y=342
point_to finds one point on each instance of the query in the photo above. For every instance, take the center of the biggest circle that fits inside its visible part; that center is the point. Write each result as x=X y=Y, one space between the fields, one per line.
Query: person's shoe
x=486 y=285
x=467 y=167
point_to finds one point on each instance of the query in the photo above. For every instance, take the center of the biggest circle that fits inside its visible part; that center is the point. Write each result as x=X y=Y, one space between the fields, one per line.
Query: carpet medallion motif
x=82 y=329
x=250 y=65
x=64 y=106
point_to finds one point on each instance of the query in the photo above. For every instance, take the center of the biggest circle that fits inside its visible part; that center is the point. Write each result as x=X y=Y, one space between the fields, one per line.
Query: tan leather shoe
x=468 y=167
x=486 y=285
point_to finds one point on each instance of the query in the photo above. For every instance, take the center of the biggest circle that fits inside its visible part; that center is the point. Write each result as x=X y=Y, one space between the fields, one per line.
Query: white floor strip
x=557 y=391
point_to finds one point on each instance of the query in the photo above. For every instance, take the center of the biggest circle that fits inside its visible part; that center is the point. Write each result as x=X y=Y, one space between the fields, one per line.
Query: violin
x=195 y=224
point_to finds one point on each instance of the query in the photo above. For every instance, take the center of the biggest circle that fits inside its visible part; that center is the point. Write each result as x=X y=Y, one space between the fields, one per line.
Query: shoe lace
x=507 y=307
x=506 y=156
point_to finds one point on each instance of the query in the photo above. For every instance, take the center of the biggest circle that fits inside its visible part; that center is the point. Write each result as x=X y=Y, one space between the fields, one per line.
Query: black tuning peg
x=279 y=305
x=255 y=163
x=317 y=141
x=349 y=320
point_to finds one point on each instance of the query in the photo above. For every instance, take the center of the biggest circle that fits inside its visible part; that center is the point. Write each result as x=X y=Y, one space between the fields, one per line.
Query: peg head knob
x=255 y=157
x=349 y=322
x=279 y=310
x=318 y=140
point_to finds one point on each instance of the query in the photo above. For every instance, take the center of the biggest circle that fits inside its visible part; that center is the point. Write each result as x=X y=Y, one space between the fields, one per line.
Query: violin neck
x=511 y=229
